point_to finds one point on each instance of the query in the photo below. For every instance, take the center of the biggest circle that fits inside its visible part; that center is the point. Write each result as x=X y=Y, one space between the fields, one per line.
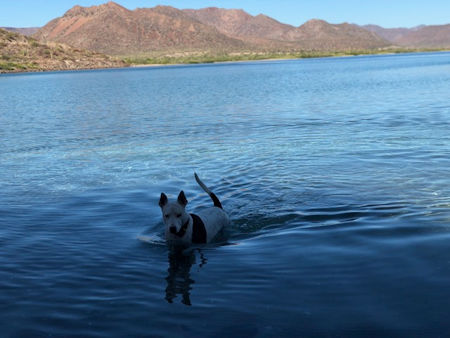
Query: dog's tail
x=209 y=192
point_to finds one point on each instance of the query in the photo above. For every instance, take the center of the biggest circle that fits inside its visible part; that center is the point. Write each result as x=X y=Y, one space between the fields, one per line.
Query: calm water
x=335 y=173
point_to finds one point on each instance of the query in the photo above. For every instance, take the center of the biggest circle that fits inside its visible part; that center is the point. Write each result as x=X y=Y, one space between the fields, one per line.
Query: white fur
x=215 y=219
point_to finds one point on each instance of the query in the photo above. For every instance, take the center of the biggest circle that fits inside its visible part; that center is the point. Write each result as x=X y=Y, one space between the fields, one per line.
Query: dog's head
x=175 y=217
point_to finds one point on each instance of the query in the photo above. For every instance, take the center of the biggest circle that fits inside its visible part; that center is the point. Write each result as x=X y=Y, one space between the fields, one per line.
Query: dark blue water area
x=334 y=173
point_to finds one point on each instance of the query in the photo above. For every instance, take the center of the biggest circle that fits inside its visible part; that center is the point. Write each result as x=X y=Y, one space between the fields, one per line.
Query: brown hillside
x=313 y=35
x=417 y=37
x=115 y=30
x=321 y=35
x=238 y=23
x=22 y=53
x=390 y=34
x=427 y=37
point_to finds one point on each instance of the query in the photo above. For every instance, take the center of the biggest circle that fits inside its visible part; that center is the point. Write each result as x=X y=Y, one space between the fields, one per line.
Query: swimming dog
x=184 y=228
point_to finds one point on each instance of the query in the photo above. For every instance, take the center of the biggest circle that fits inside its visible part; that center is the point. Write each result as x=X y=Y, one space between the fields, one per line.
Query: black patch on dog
x=198 y=230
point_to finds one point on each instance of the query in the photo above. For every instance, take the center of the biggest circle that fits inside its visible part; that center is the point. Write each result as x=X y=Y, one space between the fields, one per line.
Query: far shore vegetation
x=15 y=64
x=197 y=58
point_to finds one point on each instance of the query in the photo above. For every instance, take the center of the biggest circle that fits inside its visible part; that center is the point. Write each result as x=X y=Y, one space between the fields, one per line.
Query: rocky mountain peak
x=77 y=10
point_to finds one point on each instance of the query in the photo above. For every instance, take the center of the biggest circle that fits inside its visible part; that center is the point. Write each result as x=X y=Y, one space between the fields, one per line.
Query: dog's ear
x=163 y=200
x=182 y=199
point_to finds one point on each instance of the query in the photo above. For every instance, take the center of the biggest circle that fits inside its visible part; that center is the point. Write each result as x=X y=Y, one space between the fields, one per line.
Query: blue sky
x=387 y=13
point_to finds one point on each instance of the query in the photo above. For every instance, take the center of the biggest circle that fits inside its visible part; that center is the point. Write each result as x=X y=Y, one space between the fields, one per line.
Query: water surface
x=334 y=173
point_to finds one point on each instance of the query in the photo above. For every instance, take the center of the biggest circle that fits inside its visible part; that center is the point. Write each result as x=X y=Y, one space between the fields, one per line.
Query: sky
x=386 y=13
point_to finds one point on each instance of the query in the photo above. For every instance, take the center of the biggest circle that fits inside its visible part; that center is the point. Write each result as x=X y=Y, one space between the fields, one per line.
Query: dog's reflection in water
x=179 y=281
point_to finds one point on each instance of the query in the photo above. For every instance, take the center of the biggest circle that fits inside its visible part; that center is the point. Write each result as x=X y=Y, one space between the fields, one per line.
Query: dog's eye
x=166 y=216
x=178 y=215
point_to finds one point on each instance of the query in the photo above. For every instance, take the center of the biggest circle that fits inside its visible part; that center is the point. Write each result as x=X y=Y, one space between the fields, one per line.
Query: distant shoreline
x=38 y=70
x=210 y=59
x=207 y=59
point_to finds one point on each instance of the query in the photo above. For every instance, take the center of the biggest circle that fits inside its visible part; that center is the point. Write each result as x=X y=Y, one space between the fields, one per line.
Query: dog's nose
x=173 y=229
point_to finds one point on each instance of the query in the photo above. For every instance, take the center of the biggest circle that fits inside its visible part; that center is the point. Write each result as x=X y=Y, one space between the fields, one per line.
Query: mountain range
x=114 y=30
x=84 y=36
x=437 y=36
x=313 y=35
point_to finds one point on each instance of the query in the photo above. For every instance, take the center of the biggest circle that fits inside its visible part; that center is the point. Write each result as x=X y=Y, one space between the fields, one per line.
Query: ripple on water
x=334 y=173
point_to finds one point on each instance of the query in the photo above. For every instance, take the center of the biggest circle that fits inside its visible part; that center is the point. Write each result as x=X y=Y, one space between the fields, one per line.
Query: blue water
x=335 y=173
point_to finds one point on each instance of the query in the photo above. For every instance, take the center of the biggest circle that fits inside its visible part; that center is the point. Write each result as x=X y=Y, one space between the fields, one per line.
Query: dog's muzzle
x=182 y=232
